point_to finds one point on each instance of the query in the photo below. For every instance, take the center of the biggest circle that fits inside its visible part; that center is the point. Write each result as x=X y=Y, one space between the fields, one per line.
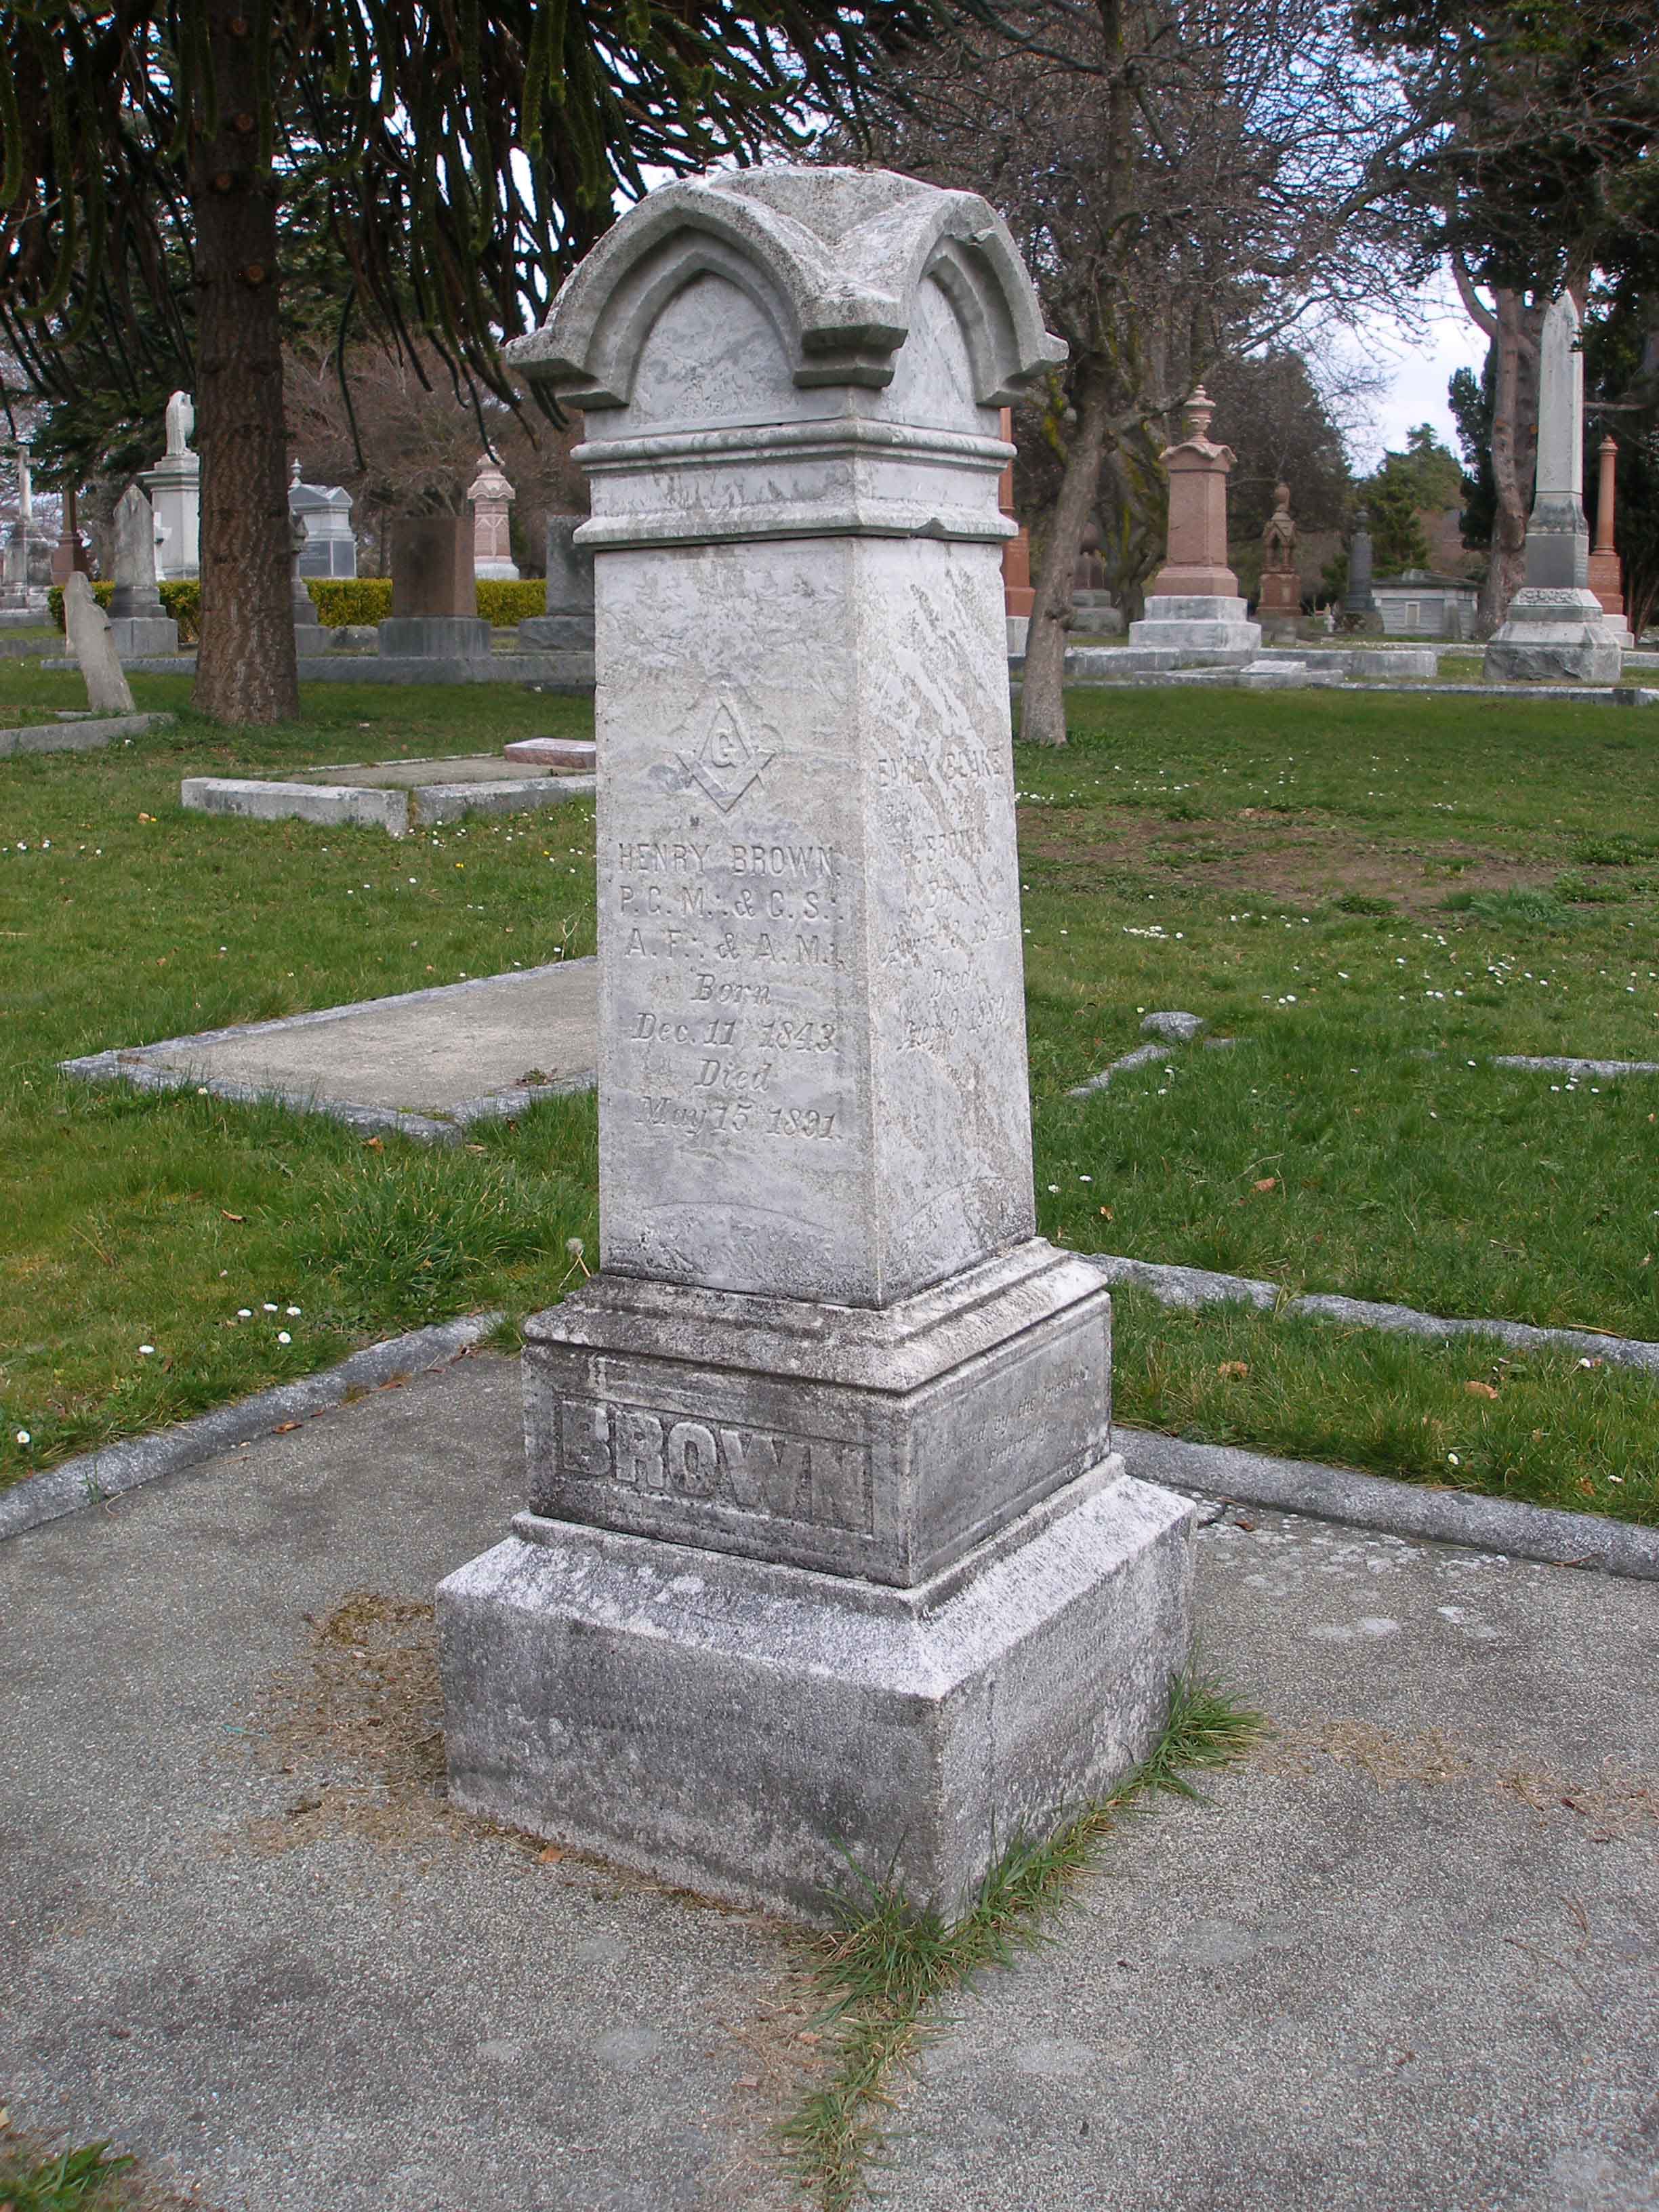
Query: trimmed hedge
x=340 y=601
x=504 y=602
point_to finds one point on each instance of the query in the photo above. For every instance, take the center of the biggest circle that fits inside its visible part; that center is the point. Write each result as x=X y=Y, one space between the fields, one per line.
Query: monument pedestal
x=443 y=637
x=744 y=1727
x=1560 y=634
x=555 y=634
x=144 y=637
x=830 y=1565
x=1205 y=631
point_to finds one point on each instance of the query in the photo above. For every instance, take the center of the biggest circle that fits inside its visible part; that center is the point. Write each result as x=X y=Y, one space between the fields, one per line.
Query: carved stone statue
x=181 y=423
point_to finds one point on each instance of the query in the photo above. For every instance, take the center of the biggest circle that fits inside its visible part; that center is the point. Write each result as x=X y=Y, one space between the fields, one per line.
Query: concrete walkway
x=1408 y=1958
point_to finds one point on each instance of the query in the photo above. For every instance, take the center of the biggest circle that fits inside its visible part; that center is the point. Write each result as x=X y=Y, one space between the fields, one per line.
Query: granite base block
x=137 y=637
x=1578 y=657
x=435 y=637
x=1212 y=632
x=555 y=634
x=743 y=1729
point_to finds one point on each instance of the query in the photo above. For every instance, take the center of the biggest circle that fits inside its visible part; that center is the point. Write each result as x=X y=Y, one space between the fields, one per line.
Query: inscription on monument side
x=786 y=1478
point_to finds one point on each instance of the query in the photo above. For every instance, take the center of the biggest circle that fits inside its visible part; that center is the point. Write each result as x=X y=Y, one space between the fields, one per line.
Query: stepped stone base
x=1202 y=632
x=732 y=1724
x=1553 y=633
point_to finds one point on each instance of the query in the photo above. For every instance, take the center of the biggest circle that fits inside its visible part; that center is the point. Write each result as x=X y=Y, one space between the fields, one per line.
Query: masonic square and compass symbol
x=727 y=760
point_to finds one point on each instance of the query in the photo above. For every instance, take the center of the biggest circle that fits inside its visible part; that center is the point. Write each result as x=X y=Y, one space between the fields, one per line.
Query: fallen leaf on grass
x=1105 y=1213
x=374 y=1144
x=233 y=1216
x=1267 y=1182
x=1233 y=1371
x=1586 y=1487
x=1481 y=1389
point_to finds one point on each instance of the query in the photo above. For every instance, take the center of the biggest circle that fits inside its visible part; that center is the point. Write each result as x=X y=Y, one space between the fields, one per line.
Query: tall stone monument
x=567 y=625
x=1555 y=626
x=828 y=1549
x=1360 y=610
x=1278 y=603
x=492 y=498
x=1606 y=580
x=139 y=624
x=70 y=555
x=435 y=596
x=175 y=485
x=1193 y=605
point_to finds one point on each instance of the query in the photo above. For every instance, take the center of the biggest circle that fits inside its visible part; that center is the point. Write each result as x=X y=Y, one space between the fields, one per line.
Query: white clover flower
x=294 y=1313
x=24 y=1437
x=282 y=1337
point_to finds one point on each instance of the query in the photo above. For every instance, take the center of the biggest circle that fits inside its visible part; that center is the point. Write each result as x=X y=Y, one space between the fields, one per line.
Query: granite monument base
x=432 y=637
x=747 y=1729
x=139 y=637
x=1550 y=634
x=556 y=634
x=1205 y=632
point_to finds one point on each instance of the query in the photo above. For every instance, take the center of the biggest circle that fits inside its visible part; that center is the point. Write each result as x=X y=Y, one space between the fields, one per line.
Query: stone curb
x=76 y=1484
x=1394 y=1509
x=1199 y=1287
x=85 y=735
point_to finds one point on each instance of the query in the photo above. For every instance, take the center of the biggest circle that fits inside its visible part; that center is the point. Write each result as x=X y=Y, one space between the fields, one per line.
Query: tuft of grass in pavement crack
x=888 y=1962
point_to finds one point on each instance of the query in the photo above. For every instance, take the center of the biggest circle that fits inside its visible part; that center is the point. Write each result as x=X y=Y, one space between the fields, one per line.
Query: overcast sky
x=1420 y=365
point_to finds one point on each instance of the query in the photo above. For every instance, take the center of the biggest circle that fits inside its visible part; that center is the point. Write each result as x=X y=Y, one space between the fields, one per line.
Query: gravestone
x=1360 y=610
x=434 y=597
x=828 y=1550
x=1193 y=605
x=1606 y=577
x=175 y=485
x=1555 y=626
x=88 y=631
x=330 y=545
x=492 y=497
x=139 y=624
x=567 y=625
x=308 y=622
x=1278 y=603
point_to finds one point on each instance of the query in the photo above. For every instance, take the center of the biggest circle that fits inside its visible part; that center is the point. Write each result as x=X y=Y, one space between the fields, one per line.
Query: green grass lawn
x=1370 y=893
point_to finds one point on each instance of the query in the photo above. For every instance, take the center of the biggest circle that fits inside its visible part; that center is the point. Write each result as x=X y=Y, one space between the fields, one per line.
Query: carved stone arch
x=657 y=278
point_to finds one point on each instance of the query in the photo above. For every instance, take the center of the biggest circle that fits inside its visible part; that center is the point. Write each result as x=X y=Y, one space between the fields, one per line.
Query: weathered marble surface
x=88 y=626
x=830 y=1547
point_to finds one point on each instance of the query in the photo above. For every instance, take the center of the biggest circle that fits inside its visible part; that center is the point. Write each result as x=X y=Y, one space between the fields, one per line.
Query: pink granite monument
x=1194 y=607
x=1605 y=578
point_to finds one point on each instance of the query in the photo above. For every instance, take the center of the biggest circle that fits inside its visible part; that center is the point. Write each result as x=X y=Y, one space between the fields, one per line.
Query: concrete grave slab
x=426 y=1063
x=398 y=796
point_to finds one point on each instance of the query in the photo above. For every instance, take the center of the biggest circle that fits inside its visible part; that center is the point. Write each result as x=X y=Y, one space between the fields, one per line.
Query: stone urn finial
x=1199 y=409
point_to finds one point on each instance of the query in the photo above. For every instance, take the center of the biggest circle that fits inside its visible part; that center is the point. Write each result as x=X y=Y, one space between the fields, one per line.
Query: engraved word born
x=786 y=1477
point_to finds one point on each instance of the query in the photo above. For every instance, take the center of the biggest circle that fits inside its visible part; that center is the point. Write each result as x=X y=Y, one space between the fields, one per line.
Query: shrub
x=343 y=600
x=503 y=602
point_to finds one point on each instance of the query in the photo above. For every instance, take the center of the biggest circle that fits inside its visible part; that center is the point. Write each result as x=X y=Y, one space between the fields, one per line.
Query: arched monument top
x=834 y=257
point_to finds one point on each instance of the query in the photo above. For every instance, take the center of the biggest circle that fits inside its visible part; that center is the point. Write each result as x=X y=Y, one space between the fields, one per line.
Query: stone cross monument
x=828 y=1548
x=139 y=624
x=1194 y=605
x=1606 y=580
x=1555 y=626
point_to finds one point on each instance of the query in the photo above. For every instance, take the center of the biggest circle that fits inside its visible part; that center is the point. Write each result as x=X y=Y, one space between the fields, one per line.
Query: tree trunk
x=1043 y=701
x=245 y=672
x=1514 y=446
